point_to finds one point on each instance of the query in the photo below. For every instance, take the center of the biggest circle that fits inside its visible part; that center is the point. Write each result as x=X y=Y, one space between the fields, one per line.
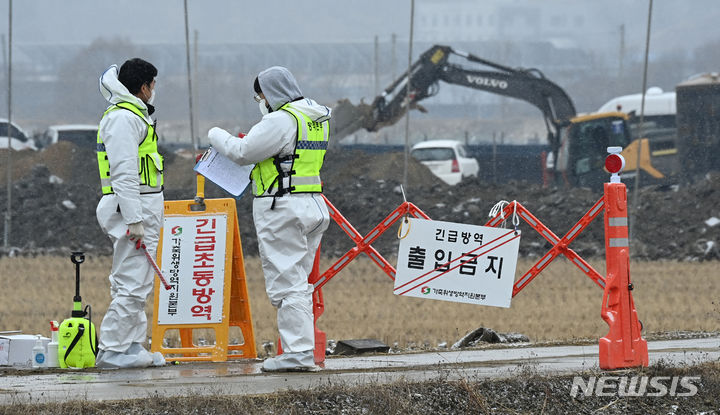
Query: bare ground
x=525 y=393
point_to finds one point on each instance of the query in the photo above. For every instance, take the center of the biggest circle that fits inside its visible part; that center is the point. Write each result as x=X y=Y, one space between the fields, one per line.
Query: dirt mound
x=346 y=167
x=56 y=190
x=52 y=214
x=64 y=160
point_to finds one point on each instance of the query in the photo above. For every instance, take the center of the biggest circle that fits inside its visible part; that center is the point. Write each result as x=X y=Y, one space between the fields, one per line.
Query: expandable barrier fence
x=622 y=347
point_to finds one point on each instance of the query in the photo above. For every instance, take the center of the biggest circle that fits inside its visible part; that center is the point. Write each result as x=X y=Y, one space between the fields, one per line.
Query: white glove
x=136 y=232
x=217 y=136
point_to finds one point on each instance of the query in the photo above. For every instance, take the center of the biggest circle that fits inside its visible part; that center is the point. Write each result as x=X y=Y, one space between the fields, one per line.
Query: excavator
x=578 y=142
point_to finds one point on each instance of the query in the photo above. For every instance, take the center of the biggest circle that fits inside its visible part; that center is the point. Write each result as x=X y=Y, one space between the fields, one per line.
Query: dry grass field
x=561 y=304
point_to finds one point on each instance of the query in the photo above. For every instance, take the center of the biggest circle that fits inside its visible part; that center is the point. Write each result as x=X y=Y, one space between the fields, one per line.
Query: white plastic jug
x=38 y=353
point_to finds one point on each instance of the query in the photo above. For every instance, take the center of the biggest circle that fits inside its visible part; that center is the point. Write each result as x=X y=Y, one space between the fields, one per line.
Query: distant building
x=564 y=23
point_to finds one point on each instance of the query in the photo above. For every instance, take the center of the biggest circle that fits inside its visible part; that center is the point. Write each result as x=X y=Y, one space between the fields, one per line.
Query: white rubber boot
x=291 y=362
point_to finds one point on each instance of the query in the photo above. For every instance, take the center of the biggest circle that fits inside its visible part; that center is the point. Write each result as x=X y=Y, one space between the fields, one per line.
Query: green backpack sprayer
x=77 y=343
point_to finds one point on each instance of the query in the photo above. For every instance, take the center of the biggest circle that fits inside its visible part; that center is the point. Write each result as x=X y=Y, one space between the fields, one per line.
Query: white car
x=82 y=135
x=447 y=159
x=19 y=140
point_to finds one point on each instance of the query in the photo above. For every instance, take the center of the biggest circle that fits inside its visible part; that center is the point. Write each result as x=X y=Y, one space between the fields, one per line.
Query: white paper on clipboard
x=224 y=172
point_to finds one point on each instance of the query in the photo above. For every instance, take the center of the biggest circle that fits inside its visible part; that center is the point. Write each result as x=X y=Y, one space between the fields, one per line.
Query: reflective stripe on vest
x=150 y=162
x=269 y=179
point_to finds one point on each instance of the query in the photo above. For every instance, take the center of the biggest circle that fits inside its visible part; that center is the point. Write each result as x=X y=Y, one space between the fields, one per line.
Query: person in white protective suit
x=287 y=147
x=130 y=211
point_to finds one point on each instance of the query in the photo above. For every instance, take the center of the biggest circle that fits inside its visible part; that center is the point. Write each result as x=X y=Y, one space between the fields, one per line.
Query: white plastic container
x=38 y=353
x=16 y=349
x=52 y=348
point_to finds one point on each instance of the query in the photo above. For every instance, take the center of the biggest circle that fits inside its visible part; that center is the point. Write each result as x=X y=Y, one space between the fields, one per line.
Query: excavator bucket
x=348 y=118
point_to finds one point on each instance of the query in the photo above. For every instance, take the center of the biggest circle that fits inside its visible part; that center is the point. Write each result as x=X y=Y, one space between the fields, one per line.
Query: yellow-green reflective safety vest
x=150 y=162
x=269 y=179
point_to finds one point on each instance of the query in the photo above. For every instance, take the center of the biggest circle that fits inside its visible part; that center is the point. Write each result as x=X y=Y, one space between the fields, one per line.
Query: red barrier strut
x=318 y=309
x=623 y=346
x=560 y=245
x=362 y=244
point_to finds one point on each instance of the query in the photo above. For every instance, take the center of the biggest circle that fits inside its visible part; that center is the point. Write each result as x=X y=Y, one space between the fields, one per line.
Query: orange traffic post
x=623 y=346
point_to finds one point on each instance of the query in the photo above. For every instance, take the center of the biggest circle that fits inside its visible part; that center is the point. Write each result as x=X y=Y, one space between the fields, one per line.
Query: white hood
x=276 y=133
x=114 y=91
x=280 y=87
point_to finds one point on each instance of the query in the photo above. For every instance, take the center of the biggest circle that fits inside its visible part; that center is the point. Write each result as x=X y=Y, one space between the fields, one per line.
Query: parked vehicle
x=19 y=140
x=447 y=159
x=82 y=135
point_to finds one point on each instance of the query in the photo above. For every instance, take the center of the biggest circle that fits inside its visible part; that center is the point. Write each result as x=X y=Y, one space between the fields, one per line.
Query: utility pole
x=394 y=58
x=377 y=76
x=377 y=66
x=8 y=211
x=189 y=79
x=621 y=58
x=636 y=191
x=407 y=95
x=195 y=78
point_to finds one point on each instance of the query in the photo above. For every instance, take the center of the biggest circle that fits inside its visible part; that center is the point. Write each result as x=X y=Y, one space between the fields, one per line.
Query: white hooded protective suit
x=290 y=232
x=124 y=327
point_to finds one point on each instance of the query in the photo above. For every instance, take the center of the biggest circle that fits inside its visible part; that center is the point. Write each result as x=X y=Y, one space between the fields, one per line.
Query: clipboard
x=224 y=172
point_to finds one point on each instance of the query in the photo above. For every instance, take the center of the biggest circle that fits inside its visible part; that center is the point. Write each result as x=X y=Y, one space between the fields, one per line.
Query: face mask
x=151 y=100
x=263 y=109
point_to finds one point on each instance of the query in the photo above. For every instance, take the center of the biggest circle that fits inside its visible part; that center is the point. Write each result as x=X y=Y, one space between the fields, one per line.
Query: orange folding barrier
x=623 y=346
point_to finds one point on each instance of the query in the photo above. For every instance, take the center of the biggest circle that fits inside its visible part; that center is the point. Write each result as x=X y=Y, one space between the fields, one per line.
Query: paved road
x=245 y=377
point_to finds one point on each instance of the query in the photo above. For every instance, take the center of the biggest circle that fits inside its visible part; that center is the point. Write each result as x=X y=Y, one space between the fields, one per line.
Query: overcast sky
x=219 y=21
x=675 y=22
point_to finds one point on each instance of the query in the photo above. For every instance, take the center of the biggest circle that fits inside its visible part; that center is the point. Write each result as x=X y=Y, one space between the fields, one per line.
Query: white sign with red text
x=193 y=263
x=457 y=262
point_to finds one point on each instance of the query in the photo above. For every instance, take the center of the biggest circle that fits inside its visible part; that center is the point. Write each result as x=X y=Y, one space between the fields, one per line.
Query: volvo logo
x=483 y=81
